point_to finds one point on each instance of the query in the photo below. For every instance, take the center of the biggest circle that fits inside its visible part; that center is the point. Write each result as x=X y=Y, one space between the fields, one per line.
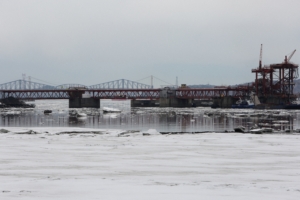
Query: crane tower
x=274 y=84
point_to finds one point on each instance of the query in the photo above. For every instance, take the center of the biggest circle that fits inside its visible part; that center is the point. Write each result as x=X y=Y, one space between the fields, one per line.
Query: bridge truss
x=70 y=93
x=124 y=93
x=29 y=85
x=208 y=93
x=71 y=85
x=121 y=84
x=25 y=85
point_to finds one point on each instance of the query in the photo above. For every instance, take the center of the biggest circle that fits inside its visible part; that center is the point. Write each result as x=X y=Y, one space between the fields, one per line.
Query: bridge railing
x=125 y=93
x=73 y=93
x=207 y=93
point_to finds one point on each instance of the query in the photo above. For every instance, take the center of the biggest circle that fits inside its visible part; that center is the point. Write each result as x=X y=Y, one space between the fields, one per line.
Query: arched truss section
x=25 y=85
x=29 y=85
x=121 y=84
x=71 y=85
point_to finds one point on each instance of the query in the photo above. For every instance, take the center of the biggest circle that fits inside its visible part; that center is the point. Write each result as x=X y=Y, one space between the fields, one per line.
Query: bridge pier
x=175 y=102
x=84 y=102
x=144 y=103
x=223 y=102
x=168 y=99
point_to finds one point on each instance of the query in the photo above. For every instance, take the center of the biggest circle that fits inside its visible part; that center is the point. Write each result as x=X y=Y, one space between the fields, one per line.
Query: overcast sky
x=90 y=42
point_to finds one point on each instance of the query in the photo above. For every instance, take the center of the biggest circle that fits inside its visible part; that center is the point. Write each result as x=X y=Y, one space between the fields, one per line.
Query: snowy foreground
x=113 y=164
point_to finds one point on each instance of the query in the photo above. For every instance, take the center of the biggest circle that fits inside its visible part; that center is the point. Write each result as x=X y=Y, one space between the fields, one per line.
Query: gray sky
x=90 y=42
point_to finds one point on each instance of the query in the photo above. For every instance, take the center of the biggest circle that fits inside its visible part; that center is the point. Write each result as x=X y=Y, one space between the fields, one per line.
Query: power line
x=143 y=78
x=43 y=81
x=163 y=81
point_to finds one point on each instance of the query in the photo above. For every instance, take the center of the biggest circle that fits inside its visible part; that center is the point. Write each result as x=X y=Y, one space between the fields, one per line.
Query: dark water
x=161 y=119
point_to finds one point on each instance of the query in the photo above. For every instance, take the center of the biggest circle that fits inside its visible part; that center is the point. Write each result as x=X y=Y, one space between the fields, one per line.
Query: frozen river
x=71 y=163
x=161 y=119
x=124 y=156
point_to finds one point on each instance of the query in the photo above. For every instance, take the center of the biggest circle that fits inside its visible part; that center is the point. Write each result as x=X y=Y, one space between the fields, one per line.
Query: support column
x=168 y=99
x=84 y=103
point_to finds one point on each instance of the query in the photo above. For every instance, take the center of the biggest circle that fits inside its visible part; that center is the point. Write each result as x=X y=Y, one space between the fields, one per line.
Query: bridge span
x=30 y=85
x=167 y=97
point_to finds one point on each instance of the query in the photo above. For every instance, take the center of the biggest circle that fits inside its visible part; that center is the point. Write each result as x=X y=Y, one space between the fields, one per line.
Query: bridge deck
x=124 y=93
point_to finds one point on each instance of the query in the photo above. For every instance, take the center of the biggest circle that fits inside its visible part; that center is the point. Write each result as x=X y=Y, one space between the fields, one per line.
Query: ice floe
x=40 y=163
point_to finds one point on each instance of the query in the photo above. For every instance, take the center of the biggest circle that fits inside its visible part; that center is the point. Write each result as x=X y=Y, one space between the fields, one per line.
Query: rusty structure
x=125 y=93
x=274 y=84
x=210 y=93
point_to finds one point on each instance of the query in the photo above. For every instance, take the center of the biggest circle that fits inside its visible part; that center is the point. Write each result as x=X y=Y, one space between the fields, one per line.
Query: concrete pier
x=84 y=103
x=144 y=103
x=168 y=99
x=223 y=102
x=174 y=102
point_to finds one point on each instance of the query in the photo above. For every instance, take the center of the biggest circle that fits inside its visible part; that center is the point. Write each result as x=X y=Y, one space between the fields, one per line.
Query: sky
x=213 y=42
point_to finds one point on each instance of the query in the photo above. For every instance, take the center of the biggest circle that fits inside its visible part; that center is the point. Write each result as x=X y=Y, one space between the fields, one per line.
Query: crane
x=287 y=59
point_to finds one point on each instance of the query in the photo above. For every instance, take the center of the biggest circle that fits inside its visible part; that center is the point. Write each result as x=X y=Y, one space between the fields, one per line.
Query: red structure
x=274 y=84
x=240 y=91
x=125 y=93
x=75 y=93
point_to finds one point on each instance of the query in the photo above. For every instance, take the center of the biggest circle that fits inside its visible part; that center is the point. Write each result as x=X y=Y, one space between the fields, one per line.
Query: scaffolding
x=274 y=84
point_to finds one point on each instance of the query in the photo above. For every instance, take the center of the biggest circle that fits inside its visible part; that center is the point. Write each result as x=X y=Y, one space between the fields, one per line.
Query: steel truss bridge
x=29 y=85
x=181 y=93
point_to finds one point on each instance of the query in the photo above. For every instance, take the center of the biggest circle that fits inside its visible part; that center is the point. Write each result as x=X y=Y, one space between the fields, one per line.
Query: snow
x=81 y=163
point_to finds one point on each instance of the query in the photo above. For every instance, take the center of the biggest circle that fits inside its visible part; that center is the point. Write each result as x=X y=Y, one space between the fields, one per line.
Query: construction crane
x=260 y=56
x=287 y=59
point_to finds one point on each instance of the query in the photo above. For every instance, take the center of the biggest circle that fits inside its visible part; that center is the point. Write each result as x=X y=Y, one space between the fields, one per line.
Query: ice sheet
x=79 y=163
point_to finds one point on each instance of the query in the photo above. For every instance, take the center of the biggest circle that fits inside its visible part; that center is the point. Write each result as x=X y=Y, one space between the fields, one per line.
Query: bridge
x=80 y=95
x=23 y=84
x=126 y=93
x=167 y=97
x=273 y=84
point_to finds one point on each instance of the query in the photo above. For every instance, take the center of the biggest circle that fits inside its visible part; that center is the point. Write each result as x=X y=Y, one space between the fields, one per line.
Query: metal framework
x=121 y=84
x=212 y=92
x=67 y=94
x=25 y=85
x=70 y=85
x=29 y=85
x=124 y=93
x=275 y=83
x=35 y=94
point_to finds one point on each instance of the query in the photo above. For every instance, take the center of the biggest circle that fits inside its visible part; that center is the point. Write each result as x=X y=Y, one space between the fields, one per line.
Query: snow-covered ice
x=80 y=163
